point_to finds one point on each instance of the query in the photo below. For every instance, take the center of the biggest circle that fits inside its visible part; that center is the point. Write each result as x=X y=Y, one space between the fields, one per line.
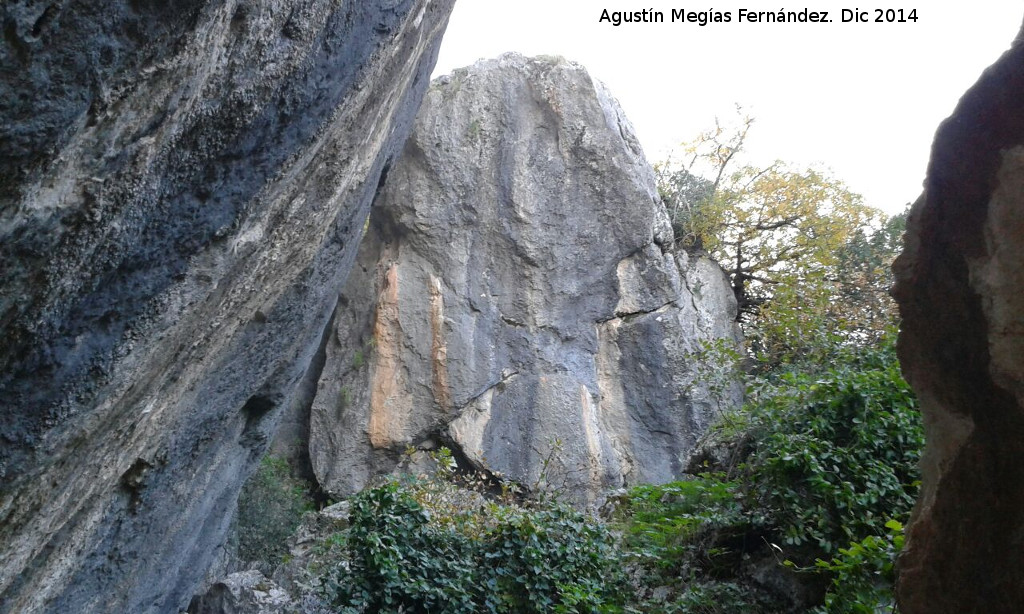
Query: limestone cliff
x=515 y=297
x=959 y=286
x=182 y=188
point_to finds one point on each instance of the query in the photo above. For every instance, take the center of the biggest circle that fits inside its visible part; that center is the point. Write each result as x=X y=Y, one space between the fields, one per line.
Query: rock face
x=245 y=592
x=182 y=187
x=959 y=286
x=514 y=297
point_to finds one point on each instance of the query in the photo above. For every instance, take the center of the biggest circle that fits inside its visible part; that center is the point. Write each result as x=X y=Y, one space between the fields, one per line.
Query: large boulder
x=960 y=286
x=182 y=189
x=244 y=592
x=515 y=298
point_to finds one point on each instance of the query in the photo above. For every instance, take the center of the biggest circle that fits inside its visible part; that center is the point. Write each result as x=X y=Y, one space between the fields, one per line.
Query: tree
x=805 y=257
x=688 y=196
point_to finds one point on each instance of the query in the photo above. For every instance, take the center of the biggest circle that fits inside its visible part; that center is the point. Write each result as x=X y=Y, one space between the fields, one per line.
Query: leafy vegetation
x=819 y=471
x=428 y=546
x=863 y=574
x=807 y=260
x=270 y=508
x=836 y=449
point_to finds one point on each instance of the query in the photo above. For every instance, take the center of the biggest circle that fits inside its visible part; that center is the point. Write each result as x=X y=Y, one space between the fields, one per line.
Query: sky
x=859 y=99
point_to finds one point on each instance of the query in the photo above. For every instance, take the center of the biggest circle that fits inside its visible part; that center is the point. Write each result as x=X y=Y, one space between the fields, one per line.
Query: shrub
x=549 y=560
x=399 y=560
x=863 y=574
x=270 y=508
x=836 y=452
x=668 y=523
x=717 y=597
x=827 y=455
x=424 y=546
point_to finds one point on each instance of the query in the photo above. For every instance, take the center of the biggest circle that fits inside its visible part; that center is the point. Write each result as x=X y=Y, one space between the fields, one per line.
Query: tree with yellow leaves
x=805 y=256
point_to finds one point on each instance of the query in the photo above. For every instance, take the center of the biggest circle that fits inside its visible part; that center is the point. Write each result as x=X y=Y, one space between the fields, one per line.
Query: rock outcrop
x=959 y=286
x=182 y=189
x=515 y=298
x=244 y=592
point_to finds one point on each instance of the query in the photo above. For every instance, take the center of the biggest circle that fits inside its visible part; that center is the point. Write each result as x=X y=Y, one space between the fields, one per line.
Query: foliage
x=666 y=521
x=718 y=597
x=780 y=226
x=804 y=255
x=552 y=559
x=863 y=574
x=424 y=545
x=682 y=533
x=847 y=305
x=828 y=456
x=836 y=451
x=399 y=560
x=863 y=278
x=270 y=508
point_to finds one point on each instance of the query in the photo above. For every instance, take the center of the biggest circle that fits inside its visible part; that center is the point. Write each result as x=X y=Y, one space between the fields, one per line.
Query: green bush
x=668 y=523
x=270 y=508
x=552 y=559
x=836 y=451
x=716 y=597
x=682 y=536
x=827 y=455
x=863 y=574
x=422 y=547
x=399 y=560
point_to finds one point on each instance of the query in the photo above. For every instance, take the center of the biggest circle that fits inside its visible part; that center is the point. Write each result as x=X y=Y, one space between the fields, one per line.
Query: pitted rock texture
x=515 y=298
x=182 y=189
x=959 y=286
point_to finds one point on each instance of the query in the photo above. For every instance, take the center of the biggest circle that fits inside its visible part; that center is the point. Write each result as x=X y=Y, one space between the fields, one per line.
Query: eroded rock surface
x=514 y=297
x=960 y=286
x=244 y=592
x=182 y=189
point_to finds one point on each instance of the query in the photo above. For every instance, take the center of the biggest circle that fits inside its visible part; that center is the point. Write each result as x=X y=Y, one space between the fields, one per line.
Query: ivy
x=836 y=451
x=827 y=471
x=408 y=549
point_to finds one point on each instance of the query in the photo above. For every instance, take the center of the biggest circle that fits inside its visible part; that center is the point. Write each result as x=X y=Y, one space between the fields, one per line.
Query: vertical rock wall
x=960 y=286
x=515 y=297
x=182 y=188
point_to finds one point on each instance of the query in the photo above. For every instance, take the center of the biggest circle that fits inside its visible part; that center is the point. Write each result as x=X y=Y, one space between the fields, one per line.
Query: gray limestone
x=515 y=298
x=182 y=189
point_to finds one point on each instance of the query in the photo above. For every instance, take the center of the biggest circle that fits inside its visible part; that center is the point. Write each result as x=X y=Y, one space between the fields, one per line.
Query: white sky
x=860 y=99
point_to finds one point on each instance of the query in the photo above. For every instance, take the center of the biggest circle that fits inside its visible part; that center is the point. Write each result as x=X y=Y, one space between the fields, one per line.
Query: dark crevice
x=468 y=473
x=133 y=482
x=44 y=20
x=383 y=178
x=627 y=316
x=255 y=410
x=21 y=48
x=302 y=463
